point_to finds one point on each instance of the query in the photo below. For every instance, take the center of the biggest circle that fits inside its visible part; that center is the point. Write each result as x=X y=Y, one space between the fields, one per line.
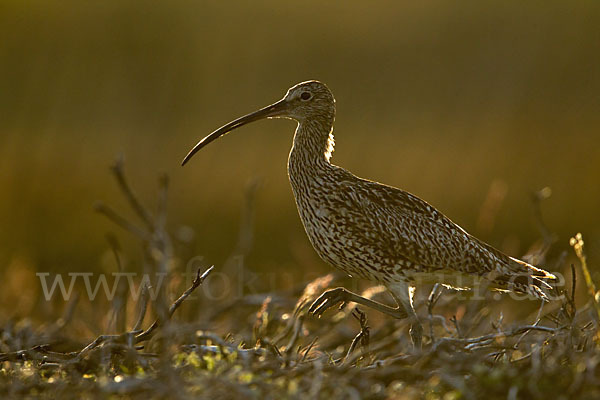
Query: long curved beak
x=273 y=110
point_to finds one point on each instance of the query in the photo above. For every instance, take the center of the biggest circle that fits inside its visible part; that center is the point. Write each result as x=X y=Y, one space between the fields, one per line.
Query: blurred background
x=473 y=106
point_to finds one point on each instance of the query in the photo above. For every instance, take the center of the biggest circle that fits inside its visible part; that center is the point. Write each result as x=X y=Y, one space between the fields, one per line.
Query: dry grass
x=271 y=348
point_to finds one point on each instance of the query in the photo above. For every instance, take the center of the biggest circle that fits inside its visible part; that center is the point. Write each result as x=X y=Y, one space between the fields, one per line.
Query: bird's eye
x=305 y=96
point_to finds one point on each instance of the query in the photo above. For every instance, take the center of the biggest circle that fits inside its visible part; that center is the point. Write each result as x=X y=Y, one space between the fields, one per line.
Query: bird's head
x=311 y=99
x=306 y=100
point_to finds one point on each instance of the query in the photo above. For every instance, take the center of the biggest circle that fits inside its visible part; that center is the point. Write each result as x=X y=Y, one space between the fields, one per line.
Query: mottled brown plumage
x=374 y=231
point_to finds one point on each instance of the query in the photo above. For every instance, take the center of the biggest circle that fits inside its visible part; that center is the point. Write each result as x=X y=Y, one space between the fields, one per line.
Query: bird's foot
x=327 y=300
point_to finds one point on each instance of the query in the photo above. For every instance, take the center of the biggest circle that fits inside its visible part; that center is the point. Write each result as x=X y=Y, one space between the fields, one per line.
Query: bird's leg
x=340 y=295
x=416 y=333
x=403 y=294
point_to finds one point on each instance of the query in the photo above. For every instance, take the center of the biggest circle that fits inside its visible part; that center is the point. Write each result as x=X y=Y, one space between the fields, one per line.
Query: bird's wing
x=417 y=231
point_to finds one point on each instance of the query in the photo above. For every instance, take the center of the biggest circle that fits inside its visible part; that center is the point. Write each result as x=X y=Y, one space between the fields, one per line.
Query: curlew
x=374 y=231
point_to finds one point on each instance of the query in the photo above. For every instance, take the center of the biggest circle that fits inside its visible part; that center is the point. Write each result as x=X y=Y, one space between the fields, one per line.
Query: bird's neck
x=312 y=148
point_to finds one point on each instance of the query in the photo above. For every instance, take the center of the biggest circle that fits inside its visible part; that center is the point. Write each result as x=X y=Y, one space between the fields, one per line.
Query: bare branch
x=142 y=306
x=121 y=221
x=119 y=173
x=148 y=333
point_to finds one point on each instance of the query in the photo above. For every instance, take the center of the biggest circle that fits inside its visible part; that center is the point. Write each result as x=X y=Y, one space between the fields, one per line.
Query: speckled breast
x=334 y=236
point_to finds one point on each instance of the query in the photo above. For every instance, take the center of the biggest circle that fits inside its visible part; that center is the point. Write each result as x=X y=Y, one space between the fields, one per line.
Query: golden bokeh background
x=473 y=106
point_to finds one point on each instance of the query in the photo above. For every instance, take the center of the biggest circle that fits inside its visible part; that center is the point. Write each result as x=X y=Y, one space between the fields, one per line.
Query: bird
x=374 y=231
